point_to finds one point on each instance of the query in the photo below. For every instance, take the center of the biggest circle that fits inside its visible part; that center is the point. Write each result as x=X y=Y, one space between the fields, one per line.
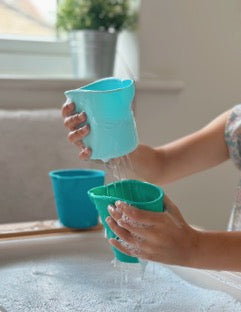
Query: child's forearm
x=217 y=251
x=199 y=151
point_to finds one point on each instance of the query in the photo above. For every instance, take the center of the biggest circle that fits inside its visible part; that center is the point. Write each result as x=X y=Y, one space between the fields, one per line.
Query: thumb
x=172 y=209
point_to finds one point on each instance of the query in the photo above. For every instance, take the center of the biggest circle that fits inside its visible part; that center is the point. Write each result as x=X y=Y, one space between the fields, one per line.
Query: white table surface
x=74 y=273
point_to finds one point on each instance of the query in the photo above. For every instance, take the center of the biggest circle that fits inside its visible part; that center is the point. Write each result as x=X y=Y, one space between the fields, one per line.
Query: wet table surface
x=74 y=271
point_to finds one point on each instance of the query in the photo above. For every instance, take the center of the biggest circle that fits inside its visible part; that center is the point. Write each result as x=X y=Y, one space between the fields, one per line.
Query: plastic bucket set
x=107 y=103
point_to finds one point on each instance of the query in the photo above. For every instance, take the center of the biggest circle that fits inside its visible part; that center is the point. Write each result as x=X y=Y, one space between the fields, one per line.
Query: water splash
x=107 y=188
x=129 y=281
x=130 y=164
x=120 y=170
x=125 y=166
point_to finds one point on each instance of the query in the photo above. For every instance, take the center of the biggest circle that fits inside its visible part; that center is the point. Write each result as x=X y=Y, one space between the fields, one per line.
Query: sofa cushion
x=32 y=143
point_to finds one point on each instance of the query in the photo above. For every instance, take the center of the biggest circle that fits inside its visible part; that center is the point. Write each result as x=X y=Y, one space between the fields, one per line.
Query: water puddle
x=129 y=283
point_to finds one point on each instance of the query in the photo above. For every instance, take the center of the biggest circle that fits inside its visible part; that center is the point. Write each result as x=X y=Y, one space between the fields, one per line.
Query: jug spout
x=72 y=95
x=129 y=90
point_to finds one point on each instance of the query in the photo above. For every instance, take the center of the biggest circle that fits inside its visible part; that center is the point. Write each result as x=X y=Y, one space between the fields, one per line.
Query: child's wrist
x=196 y=249
x=203 y=254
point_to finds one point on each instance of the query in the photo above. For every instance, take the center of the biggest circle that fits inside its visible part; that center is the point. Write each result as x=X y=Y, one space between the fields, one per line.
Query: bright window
x=31 y=48
x=35 y=18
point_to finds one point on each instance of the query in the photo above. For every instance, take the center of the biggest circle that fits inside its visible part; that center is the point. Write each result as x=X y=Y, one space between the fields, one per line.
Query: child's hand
x=157 y=236
x=72 y=122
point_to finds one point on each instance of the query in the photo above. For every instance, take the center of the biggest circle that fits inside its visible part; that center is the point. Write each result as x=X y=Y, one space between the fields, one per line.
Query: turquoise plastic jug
x=107 y=104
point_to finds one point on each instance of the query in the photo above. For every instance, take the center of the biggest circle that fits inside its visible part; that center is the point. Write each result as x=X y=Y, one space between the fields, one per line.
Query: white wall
x=198 y=42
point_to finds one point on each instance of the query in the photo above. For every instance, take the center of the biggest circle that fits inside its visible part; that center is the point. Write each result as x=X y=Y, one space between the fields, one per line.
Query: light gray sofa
x=32 y=143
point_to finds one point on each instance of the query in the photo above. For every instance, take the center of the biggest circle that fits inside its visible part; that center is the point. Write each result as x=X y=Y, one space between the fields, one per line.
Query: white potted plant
x=93 y=27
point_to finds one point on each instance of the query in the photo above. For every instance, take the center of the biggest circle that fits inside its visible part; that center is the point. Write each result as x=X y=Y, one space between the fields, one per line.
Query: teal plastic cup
x=73 y=205
x=107 y=104
x=142 y=195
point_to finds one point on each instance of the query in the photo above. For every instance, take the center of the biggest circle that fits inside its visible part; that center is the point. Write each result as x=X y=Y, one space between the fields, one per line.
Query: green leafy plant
x=103 y=15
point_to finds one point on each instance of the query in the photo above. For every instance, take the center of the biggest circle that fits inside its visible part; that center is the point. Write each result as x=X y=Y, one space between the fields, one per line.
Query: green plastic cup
x=140 y=194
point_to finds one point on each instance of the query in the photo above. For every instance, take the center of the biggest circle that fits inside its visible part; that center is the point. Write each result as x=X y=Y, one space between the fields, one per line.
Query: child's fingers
x=119 y=231
x=72 y=122
x=138 y=229
x=140 y=215
x=172 y=210
x=128 y=249
x=114 y=212
x=117 y=244
x=85 y=154
x=78 y=134
x=67 y=109
x=80 y=144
